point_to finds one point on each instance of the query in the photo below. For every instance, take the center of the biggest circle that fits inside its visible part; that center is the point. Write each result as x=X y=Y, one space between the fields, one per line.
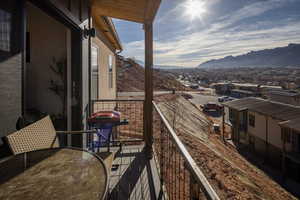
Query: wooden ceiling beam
x=140 y=11
x=151 y=10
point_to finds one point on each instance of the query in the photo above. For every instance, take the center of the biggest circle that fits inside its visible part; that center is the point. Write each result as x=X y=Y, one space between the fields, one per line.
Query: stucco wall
x=274 y=130
x=260 y=126
x=47 y=41
x=104 y=91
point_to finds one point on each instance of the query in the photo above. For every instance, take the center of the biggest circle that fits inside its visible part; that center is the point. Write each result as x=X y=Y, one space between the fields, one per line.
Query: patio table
x=61 y=173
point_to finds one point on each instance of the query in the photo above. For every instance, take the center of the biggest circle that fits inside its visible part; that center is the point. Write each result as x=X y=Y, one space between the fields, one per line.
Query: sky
x=189 y=33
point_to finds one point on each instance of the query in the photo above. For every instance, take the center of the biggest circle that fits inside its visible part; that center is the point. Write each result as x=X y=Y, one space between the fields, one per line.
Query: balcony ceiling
x=140 y=11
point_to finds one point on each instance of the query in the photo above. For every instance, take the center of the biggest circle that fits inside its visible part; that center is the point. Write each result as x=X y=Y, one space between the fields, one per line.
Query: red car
x=211 y=106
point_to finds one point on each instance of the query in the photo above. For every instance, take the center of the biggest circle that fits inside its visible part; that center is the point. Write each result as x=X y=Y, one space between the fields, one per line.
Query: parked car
x=221 y=99
x=225 y=98
x=211 y=106
x=187 y=96
x=194 y=86
x=216 y=128
x=229 y=99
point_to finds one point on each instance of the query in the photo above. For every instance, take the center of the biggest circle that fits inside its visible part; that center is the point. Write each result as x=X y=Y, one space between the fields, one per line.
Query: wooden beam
x=132 y=10
x=148 y=108
x=105 y=26
x=151 y=10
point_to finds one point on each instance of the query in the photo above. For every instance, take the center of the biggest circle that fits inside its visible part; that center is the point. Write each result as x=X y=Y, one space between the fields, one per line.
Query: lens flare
x=195 y=8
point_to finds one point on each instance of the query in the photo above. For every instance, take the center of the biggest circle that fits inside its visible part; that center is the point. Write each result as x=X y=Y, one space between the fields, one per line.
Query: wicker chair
x=37 y=136
x=42 y=135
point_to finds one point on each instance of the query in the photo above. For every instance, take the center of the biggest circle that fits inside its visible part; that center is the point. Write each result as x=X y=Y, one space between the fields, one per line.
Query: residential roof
x=285 y=93
x=274 y=109
x=242 y=91
x=242 y=104
x=246 y=84
x=292 y=124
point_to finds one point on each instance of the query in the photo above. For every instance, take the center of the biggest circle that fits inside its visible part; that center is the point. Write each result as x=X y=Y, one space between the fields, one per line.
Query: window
x=94 y=73
x=27 y=47
x=286 y=135
x=231 y=115
x=251 y=120
x=110 y=71
x=5 y=30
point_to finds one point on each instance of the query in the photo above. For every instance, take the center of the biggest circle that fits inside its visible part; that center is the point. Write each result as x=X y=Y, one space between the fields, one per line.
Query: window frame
x=110 y=71
x=96 y=94
x=251 y=120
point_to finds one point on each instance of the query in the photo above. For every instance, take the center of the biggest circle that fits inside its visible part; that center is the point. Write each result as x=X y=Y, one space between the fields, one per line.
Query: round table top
x=62 y=173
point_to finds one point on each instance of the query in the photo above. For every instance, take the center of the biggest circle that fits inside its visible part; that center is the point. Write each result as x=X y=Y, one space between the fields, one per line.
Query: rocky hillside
x=130 y=77
x=231 y=175
x=277 y=57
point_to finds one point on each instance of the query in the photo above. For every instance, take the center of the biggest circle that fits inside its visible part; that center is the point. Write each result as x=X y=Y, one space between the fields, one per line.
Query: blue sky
x=226 y=27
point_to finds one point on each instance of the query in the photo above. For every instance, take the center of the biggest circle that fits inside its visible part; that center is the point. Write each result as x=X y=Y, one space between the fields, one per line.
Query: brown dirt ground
x=229 y=173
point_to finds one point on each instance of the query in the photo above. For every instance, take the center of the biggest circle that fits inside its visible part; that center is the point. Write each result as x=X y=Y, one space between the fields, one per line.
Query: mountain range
x=164 y=67
x=288 y=56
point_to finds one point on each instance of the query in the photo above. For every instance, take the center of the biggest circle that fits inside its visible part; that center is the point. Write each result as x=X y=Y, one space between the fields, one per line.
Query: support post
x=283 y=161
x=148 y=108
x=238 y=128
x=267 y=140
x=223 y=124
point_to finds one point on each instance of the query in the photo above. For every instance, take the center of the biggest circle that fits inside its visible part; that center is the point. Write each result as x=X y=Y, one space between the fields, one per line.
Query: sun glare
x=195 y=8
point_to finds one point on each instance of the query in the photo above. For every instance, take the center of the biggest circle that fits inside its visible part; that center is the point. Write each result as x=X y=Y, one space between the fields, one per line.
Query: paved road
x=129 y=94
x=200 y=99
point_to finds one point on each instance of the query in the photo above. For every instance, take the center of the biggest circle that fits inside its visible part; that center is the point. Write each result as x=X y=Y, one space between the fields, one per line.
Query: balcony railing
x=179 y=174
x=131 y=110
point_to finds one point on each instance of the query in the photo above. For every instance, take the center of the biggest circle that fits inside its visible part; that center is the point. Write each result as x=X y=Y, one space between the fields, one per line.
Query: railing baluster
x=182 y=178
x=161 y=152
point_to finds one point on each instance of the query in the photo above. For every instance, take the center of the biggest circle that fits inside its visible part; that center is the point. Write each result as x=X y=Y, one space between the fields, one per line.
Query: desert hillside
x=130 y=77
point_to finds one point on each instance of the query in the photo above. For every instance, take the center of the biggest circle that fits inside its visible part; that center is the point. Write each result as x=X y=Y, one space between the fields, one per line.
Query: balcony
x=170 y=174
x=159 y=167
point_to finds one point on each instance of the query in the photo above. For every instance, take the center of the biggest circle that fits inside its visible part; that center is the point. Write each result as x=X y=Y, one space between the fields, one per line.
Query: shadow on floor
x=133 y=178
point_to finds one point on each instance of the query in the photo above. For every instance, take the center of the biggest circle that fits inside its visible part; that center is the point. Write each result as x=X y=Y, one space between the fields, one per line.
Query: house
x=222 y=88
x=290 y=133
x=58 y=57
x=284 y=96
x=267 y=128
x=46 y=62
x=242 y=93
x=246 y=86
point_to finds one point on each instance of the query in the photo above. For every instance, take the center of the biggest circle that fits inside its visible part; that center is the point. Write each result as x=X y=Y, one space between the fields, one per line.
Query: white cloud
x=222 y=38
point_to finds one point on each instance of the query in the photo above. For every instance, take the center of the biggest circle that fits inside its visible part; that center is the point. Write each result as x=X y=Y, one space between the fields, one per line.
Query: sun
x=195 y=8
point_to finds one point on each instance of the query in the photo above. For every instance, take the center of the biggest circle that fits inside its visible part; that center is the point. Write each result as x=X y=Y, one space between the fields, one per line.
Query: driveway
x=200 y=99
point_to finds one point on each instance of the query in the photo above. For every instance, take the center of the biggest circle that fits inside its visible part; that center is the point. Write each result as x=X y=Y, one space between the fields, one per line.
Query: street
x=200 y=99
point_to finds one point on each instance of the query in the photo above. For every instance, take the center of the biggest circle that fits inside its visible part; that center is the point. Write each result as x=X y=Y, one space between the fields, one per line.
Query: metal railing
x=180 y=176
x=131 y=110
